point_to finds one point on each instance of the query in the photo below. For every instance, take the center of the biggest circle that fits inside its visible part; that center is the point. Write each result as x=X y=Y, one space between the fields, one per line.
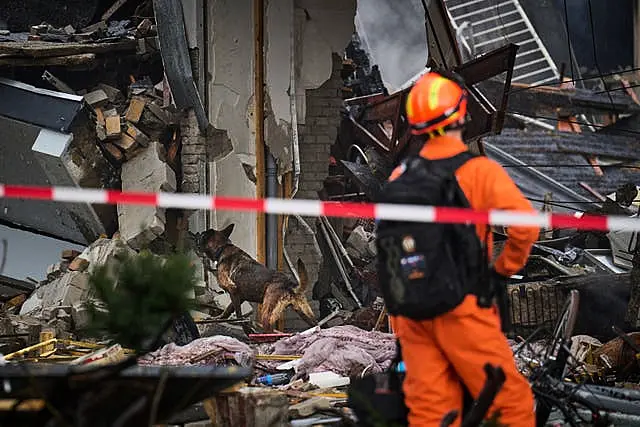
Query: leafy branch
x=137 y=303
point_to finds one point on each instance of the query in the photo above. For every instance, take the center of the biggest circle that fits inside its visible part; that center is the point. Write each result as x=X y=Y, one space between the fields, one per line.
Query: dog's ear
x=227 y=231
x=302 y=274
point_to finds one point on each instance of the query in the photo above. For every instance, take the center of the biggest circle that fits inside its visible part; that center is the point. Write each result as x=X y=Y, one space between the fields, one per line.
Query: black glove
x=499 y=286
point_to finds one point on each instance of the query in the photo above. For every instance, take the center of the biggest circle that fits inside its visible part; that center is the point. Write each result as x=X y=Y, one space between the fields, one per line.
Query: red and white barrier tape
x=410 y=213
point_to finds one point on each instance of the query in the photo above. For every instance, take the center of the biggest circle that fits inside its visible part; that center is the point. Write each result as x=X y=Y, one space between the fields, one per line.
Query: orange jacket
x=487 y=186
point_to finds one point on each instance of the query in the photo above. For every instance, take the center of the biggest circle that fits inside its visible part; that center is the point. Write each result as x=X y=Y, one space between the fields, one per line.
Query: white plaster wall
x=278 y=61
x=231 y=68
x=230 y=56
x=326 y=27
x=279 y=27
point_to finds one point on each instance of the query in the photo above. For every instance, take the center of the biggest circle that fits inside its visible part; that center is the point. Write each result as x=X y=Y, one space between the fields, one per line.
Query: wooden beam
x=47 y=49
x=258 y=31
x=83 y=59
x=113 y=9
x=285 y=191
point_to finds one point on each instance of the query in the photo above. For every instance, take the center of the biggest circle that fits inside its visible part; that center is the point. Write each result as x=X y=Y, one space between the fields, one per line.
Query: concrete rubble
x=147 y=172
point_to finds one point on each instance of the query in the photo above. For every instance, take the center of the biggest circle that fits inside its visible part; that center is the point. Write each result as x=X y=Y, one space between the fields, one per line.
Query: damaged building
x=305 y=99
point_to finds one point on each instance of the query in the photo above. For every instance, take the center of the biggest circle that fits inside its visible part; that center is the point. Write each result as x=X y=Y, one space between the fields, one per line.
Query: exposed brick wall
x=317 y=136
x=319 y=132
x=194 y=151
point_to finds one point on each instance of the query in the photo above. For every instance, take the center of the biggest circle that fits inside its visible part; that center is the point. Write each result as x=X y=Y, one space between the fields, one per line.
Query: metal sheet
x=19 y=164
x=41 y=107
x=535 y=184
x=544 y=152
x=175 y=57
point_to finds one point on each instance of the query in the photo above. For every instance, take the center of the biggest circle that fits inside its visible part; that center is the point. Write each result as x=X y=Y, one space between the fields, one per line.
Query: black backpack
x=427 y=269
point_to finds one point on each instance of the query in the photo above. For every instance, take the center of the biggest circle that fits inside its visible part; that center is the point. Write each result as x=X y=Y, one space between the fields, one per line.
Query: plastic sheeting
x=216 y=350
x=345 y=350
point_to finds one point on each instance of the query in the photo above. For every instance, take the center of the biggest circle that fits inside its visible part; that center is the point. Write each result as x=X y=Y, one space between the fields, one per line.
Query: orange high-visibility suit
x=454 y=347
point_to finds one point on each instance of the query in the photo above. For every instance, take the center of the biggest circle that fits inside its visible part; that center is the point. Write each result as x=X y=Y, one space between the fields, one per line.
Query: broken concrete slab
x=115 y=95
x=80 y=315
x=96 y=98
x=358 y=244
x=64 y=291
x=104 y=252
x=140 y=225
x=309 y=407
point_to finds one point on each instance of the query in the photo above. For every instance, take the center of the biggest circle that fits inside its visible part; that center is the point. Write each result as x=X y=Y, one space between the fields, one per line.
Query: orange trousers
x=440 y=353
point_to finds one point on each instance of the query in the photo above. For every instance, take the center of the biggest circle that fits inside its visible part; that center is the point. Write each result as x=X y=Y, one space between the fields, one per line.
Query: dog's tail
x=304 y=277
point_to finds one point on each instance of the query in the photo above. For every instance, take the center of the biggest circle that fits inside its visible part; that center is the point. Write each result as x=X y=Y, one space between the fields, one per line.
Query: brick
x=97 y=98
x=137 y=135
x=79 y=264
x=111 y=112
x=112 y=125
x=134 y=112
x=114 y=151
x=190 y=158
x=192 y=179
x=194 y=149
x=189 y=169
x=100 y=116
x=160 y=113
x=112 y=93
x=308 y=139
x=325 y=139
x=126 y=143
x=69 y=254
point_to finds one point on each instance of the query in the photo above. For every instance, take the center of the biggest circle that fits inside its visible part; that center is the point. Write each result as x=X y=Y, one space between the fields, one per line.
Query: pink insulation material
x=216 y=350
x=345 y=350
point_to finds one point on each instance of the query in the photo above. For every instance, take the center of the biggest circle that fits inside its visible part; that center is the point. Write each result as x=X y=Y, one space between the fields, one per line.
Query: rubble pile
x=59 y=301
x=110 y=76
x=100 y=32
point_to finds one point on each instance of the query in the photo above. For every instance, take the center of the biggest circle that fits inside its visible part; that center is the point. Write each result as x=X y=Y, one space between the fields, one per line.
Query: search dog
x=245 y=279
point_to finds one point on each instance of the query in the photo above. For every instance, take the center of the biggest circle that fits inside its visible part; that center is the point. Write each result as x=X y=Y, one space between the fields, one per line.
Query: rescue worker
x=442 y=353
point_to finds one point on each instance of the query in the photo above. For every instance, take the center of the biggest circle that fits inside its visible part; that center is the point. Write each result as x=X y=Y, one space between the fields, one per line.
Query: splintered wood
x=257 y=407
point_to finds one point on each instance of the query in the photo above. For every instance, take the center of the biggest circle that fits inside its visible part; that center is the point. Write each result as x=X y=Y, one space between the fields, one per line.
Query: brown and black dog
x=245 y=279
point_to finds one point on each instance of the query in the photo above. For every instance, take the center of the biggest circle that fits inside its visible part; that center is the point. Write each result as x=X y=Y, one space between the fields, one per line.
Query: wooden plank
x=81 y=59
x=46 y=49
x=113 y=9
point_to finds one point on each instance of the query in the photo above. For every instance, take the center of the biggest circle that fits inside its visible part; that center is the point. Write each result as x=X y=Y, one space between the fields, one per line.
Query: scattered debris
x=217 y=350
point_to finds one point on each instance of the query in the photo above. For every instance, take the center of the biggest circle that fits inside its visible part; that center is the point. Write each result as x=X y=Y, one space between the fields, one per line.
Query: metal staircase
x=490 y=24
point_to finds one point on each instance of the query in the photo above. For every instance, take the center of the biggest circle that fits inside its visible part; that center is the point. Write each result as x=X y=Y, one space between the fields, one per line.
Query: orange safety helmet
x=434 y=104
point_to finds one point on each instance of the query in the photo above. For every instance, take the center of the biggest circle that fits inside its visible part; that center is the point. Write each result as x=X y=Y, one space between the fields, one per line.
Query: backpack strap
x=446 y=165
x=453 y=163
